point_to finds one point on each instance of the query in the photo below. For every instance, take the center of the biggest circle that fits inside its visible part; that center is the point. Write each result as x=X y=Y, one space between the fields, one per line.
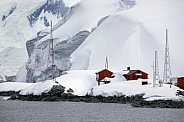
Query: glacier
x=16 y=19
x=16 y=29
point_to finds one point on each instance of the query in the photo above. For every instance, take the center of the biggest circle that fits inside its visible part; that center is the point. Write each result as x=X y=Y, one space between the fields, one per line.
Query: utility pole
x=154 y=83
x=106 y=63
x=51 y=54
x=167 y=67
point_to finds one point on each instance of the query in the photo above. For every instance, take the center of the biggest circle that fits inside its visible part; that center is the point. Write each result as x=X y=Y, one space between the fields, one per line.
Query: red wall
x=181 y=83
x=104 y=73
x=134 y=77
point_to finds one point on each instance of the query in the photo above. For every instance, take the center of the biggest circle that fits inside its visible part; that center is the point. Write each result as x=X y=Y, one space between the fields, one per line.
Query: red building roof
x=135 y=74
x=133 y=71
x=100 y=75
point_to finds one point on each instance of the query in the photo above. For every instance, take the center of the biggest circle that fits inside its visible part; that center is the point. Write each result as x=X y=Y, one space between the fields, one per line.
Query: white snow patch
x=80 y=81
x=13 y=86
x=38 y=88
x=70 y=3
x=135 y=87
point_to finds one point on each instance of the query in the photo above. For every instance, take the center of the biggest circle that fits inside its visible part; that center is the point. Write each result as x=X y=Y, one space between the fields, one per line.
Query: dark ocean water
x=25 y=111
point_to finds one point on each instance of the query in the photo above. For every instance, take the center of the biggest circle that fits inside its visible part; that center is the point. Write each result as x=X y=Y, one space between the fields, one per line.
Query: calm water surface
x=25 y=111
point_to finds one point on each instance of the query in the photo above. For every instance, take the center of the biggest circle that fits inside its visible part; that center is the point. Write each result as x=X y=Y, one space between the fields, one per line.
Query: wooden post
x=98 y=82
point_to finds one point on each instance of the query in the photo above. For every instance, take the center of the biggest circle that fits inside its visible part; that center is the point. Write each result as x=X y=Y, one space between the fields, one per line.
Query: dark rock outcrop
x=10 y=12
x=56 y=7
x=57 y=93
x=56 y=90
x=179 y=93
x=9 y=93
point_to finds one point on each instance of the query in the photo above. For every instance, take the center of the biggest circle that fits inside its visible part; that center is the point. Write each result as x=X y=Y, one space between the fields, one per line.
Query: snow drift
x=130 y=38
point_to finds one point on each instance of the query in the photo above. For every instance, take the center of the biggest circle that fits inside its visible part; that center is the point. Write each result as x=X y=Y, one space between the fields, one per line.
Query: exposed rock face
x=179 y=92
x=57 y=93
x=14 y=6
x=56 y=90
x=38 y=66
x=56 y=7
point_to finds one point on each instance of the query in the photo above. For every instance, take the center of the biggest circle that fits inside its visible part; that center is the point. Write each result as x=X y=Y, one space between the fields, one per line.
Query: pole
x=153 y=75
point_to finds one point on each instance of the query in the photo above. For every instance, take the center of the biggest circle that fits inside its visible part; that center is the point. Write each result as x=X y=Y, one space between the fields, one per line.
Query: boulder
x=56 y=90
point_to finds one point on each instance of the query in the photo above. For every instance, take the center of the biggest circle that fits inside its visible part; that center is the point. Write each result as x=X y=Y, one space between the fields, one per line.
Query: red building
x=135 y=74
x=180 y=83
x=102 y=75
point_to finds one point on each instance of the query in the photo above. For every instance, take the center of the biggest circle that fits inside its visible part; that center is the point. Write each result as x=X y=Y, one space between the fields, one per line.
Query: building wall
x=181 y=83
x=104 y=73
x=133 y=76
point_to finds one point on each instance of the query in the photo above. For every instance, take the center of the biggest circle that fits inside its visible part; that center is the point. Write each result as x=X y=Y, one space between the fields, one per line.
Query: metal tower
x=50 y=63
x=167 y=67
x=156 y=70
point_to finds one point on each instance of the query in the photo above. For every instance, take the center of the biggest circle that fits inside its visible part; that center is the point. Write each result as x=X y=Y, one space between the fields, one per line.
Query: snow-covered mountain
x=20 y=20
x=127 y=32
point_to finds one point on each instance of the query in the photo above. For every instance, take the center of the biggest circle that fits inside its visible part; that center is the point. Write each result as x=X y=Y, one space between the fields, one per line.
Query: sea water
x=29 y=111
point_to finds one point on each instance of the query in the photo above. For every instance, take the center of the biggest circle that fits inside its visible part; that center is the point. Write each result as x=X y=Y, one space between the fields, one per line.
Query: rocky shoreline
x=57 y=94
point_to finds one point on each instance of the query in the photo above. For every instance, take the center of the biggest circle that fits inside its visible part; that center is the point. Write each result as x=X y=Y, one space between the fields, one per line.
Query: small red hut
x=135 y=74
x=102 y=75
x=180 y=83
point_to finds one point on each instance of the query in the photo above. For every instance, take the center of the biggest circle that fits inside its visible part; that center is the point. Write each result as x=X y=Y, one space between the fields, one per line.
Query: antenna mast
x=106 y=63
x=156 y=70
x=154 y=83
x=51 y=54
x=167 y=67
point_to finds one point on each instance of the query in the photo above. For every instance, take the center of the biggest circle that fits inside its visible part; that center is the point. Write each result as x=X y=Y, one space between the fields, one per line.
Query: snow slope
x=130 y=38
x=15 y=27
x=130 y=88
x=79 y=81
x=70 y=3
x=13 y=86
x=11 y=59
